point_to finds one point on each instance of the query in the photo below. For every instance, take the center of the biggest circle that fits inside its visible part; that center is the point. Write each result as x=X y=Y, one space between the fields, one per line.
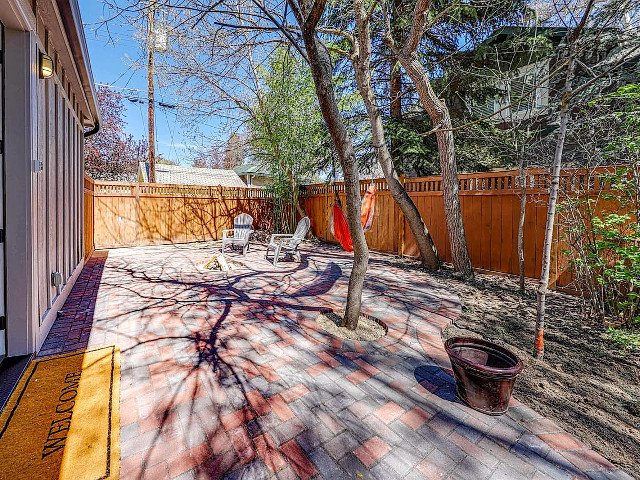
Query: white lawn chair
x=288 y=243
x=239 y=234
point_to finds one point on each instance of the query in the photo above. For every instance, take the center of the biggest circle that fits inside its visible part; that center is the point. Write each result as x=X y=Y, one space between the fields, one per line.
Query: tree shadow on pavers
x=209 y=389
x=322 y=283
x=181 y=402
x=261 y=421
x=208 y=365
x=68 y=334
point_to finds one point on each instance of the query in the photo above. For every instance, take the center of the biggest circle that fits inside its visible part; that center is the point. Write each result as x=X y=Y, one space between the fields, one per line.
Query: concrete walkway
x=228 y=376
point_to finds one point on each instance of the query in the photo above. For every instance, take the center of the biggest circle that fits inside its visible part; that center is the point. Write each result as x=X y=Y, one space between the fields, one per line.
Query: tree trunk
x=296 y=197
x=565 y=109
x=322 y=72
x=551 y=213
x=395 y=105
x=523 y=210
x=395 y=77
x=361 y=60
x=439 y=114
x=395 y=90
x=299 y=207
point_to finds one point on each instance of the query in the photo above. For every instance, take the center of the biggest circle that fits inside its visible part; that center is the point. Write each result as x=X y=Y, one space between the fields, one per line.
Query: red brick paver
x=372 y=450
x=389 y=412
x=415 y=417
x=298 y=459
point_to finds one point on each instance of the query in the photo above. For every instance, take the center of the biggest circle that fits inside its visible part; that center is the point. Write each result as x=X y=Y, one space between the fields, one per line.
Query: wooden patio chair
x=288 y=243
x=240 y=233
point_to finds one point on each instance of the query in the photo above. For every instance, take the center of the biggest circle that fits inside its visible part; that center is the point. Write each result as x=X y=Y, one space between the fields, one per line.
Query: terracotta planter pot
x=484 y=373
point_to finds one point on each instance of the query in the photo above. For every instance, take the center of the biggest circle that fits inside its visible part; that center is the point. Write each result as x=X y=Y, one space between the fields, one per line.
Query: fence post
x=400 y=217
x=327 y=206
x=135 y=192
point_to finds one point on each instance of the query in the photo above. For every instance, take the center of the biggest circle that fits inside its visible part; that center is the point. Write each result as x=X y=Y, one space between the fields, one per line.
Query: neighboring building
x=525 y=79
x=254 y=175
x=532 y=78
x=178 y=175
x=48 y=102
x=528 y=80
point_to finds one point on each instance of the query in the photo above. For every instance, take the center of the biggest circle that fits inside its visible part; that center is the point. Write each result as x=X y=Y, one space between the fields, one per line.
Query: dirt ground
x=586 y=383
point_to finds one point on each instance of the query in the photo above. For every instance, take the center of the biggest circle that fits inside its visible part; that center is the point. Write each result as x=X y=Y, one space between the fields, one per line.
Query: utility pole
x=150 y=100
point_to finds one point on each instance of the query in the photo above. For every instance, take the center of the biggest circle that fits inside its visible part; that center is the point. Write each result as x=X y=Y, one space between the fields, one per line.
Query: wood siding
x=57 y=191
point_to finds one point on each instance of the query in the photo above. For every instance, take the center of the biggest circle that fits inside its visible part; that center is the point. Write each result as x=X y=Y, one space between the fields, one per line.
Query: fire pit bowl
x=484 y=373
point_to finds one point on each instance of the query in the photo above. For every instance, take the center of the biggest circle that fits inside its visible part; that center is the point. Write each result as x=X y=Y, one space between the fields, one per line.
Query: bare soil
x=586 y=383
x=367 y=330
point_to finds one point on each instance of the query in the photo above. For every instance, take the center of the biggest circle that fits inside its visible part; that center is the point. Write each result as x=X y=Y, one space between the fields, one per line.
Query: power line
x=164 y=104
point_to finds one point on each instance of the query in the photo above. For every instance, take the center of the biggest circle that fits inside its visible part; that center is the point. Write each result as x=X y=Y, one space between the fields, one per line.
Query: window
x=530 y=79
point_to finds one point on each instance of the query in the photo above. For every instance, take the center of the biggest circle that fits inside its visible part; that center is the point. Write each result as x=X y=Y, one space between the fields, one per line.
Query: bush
x=603 y=235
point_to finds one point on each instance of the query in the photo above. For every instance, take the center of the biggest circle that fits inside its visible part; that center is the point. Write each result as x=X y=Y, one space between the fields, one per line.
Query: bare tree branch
x=284 y=31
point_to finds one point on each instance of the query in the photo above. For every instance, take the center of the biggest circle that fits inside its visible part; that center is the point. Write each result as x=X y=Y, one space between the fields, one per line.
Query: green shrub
x=603 y=235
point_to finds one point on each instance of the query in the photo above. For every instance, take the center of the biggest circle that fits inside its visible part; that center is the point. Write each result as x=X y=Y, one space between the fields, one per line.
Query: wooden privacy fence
x=490 y=204
x=89 y=246
x=127 y=214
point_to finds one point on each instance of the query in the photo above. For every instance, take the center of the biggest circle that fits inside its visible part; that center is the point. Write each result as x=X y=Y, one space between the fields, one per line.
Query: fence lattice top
x=162 y=190
x=509 y=180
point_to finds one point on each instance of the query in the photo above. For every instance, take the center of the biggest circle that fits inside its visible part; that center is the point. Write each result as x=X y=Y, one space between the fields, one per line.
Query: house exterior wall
x=43 y=174
x=548 y=91
x=256 y=181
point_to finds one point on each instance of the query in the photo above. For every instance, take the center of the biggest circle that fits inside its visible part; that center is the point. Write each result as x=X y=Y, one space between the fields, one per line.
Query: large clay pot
x=484 y=373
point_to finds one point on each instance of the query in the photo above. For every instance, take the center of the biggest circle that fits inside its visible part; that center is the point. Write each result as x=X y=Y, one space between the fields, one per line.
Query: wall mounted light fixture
x=46 y=66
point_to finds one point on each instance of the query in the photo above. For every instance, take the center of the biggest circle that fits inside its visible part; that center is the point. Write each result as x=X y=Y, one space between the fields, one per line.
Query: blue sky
x=112 y=62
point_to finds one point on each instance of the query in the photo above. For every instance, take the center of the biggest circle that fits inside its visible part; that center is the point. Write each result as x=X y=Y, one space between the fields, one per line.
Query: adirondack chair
x=288 y=243
x=240 y=233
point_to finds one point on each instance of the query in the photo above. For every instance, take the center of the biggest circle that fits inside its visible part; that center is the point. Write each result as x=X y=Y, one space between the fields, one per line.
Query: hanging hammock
x=368 y=208
x=339 y=227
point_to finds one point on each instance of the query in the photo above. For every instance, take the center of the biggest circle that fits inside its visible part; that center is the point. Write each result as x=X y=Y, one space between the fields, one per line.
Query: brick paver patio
x=227 y=375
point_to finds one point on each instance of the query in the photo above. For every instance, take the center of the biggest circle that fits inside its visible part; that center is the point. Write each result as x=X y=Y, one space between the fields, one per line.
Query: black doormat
x=11 y=369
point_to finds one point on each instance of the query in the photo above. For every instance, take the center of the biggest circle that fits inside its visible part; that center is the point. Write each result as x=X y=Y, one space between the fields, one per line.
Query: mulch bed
x=586 y=382
x=367 y=330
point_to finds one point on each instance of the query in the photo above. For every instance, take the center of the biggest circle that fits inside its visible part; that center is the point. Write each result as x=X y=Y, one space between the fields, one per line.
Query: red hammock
x=339 y=227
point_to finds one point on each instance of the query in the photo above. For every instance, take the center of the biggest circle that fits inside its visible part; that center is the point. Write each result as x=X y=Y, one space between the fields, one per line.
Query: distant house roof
x=252 y=169
x=179 y=175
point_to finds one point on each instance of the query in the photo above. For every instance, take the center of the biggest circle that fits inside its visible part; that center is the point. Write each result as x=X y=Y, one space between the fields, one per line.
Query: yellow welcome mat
x=63 y=419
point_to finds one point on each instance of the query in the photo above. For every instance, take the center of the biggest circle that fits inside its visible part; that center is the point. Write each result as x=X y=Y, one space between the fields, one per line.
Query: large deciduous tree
x=112 y=154
x=361 y=59
x=407 y=54
x=307 y=15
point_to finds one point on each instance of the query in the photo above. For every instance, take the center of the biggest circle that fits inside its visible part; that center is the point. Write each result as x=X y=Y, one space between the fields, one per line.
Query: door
x=3 y=323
